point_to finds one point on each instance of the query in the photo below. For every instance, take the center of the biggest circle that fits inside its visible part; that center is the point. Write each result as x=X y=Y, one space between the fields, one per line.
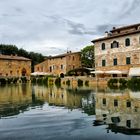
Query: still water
x=34 y=112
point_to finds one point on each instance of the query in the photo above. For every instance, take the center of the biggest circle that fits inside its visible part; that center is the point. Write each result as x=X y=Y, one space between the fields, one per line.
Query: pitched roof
x=12 y=57
x=112 y=35
x=63 y=55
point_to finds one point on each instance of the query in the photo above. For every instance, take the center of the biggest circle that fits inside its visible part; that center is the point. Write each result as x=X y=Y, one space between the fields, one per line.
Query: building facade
x=119 y=49
x=60 y=64
x=14 y=66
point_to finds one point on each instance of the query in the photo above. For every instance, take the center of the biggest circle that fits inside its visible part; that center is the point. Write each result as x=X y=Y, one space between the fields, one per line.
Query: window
x=104 y=101
x=127 y=42
x=128 y=104
x=115 y=44
x=115 y=61
x=103 y=63
x=50 y=69
x=103 y=46
x=73 y=57
x=62 y=67
x=128 y=60
x=128 y=123
x=115 y=102
x=11 y=72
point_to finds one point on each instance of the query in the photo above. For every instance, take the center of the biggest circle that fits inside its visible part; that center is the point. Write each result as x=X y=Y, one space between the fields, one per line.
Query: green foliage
x=15 y=80
x=86 y=83
x=123 y=82
x=39 y=81
x=113 y=81
x=45 y=80
x=2 y=81
x=23 y=79
x=78 y=71
x=68 y=82
x=87 y=57
x=134 y=84
x=80 y=82
x=33 y=80
x=58 y=81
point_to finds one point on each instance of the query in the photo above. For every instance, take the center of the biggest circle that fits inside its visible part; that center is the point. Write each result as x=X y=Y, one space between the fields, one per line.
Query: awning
x=113 y=72
x=97 y=72
x=134 y=71
x=39 y=73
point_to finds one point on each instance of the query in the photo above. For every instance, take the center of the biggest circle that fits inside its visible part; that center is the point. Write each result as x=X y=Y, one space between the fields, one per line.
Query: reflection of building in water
x=14 y=99
x=70 y=98
x=17 y=98
x=118 y=109
x=63 y=97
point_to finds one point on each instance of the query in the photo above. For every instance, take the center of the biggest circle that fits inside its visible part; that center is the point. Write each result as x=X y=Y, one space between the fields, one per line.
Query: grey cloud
x=73 y=27
x=128 y=8
x=100 y=29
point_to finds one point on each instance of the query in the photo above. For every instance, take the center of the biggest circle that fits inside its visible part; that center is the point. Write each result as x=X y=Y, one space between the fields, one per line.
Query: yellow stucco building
x=14 y=66
x=60 y=64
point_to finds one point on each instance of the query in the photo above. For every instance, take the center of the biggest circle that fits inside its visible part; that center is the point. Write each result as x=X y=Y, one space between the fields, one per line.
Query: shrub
x=68 y=82
x=113 y=81
x=24 y=79
x=80 y=82
x=2 y=81
x=33 y=80
x=58 y=81
x=15 y=80
x=123 y=82
x=87 y=83
x=45 y=80
x=134 y=84
x=39 y=81
x=9 y=80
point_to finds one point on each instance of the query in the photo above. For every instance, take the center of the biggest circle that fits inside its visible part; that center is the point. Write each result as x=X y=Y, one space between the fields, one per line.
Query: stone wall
x=132 y=51
x=15 y=68
x=60 y=64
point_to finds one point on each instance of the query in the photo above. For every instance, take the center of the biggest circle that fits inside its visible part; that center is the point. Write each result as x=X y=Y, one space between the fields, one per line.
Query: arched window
x=103 y=46
x=115 y=44
x=127 y=42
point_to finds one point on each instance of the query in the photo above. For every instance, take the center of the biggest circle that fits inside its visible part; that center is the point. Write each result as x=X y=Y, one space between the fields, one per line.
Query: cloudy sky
x=54 y=26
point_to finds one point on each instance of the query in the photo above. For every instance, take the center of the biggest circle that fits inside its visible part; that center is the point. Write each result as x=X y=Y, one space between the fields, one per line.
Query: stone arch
x=62 y=75
x=23 y=72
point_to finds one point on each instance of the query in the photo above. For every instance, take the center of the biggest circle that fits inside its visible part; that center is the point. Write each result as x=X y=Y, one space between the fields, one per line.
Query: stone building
x=118 y=50
x=14 y=66
x=60 y=64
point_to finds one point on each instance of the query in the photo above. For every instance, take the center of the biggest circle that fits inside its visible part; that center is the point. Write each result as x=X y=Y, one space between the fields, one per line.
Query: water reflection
x=114 y=111
x=16 y=99
x=119 y=110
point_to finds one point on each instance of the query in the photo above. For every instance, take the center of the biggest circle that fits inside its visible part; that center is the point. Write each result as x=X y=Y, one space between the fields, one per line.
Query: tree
x=87 y=57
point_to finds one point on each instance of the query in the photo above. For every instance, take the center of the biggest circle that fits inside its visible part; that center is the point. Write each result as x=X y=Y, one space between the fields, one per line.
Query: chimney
x=106 y=33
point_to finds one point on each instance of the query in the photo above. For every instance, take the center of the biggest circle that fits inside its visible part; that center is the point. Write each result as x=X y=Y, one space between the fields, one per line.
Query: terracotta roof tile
x=12 y=57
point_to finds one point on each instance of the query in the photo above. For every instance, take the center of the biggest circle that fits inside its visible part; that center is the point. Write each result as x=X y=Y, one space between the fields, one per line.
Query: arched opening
x=115 y=44
x=62 y=75
x=127 y=42
x=103 y=46
x=23 y=72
